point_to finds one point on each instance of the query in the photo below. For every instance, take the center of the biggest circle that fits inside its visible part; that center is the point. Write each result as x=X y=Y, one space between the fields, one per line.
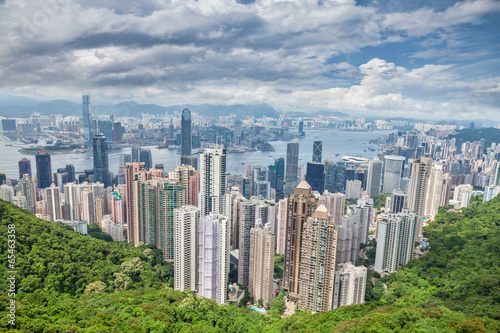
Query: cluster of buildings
x=203 y=219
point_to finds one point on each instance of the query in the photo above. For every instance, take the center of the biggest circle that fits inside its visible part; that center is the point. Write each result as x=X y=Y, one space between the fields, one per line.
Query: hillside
x=454 y=288
x=489 y=134
x=53 y=259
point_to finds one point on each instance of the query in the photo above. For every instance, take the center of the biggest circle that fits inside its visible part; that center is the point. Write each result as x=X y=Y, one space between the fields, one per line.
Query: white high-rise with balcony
x=213 y=249
x=186 y=221
x=395 y=241
x=212 y=181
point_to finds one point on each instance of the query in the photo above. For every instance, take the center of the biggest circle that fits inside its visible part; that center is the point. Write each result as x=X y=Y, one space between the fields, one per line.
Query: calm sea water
x=334 y=142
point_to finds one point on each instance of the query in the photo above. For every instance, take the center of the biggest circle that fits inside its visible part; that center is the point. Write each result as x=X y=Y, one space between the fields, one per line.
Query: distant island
x=55 y=150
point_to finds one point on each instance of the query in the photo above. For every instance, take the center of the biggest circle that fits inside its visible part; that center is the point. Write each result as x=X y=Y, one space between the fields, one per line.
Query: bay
x=334 y=142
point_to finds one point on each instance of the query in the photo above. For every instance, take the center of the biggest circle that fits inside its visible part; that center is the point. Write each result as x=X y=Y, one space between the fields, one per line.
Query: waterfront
x=334 y=142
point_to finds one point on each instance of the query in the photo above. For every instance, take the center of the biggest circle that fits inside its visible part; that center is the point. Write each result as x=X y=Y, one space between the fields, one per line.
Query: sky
x=395 y=58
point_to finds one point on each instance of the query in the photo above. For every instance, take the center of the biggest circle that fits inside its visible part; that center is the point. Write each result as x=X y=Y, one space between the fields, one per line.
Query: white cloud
x=279 y=52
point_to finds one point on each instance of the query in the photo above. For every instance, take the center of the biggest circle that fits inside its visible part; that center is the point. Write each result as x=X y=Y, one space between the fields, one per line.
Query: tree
x=95 y=287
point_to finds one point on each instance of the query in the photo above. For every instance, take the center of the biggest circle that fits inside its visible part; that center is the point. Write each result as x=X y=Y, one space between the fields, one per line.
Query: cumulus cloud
x=294 y=55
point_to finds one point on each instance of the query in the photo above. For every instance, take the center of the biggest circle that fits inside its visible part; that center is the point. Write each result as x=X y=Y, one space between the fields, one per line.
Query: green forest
x=490 y=135
x=67 y=282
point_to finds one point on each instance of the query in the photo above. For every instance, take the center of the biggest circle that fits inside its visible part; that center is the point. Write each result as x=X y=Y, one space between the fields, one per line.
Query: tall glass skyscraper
x=146 y=157
x=87 y=119
x=292 y=165
x=43 y=169
x=101 y=171
x=392 y=172
x=186 y=135
x=315 y=176
x=280 y=177
x=24 y=167
x=317 y=151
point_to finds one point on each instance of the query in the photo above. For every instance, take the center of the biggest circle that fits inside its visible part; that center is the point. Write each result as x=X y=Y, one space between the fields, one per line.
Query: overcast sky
x=421 y=58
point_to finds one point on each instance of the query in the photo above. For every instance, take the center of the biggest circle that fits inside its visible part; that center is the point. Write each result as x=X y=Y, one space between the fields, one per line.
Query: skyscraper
x=106 y=128
x=315 y=176
x=135 y=154
x=261 y=187
x=353 y=189
x=238 y=125
x=374 y=177
x=317 y=151
x=301 y=205
x=317 y=262
x=261 y=270
x=87 y=119
x=434 y=191
x=335 y=203
x=24 y=167
x=153 y=201
x=43 y=169
x=72 y=201
x=364 y=210
x=100 y=149
x=392 y=172
x=185 y=173
x=350 y=285
x=348 y=239
x=281 y=229
x=186 y=221
x=146 y=157
x=87 y=212
x=399 y=200
x=213 y=244
x=496 y=178
x=53 y=202
x=117 y=132
x=194 y=189
x=186 y=134
x=250 y=212
x=335 y=177
x=395 y=241
x=212 y=181
x=131 y=169
x=292 y=167
x=246 y=221
x=27 y=188
x=280 y=177
x=418 y=188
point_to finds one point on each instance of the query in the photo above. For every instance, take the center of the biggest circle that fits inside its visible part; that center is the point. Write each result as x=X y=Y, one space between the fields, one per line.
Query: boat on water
x=88 y=157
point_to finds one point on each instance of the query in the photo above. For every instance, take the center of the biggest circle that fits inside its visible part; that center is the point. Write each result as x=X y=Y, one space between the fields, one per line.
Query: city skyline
x=420 y=59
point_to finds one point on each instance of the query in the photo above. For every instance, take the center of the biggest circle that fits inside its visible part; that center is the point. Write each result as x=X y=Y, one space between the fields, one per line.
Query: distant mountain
x=132 y=109
x=128 y=109
x=255 y=110
x=58 y=106
x=490 y=135
x=309 y=114
x=10 y=100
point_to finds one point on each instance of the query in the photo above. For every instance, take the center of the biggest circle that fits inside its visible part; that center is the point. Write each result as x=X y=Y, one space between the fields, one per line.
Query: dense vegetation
x=454 y=288
x=379 y=200
x=53 y=259
x=490 y=135
x=462 y=269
